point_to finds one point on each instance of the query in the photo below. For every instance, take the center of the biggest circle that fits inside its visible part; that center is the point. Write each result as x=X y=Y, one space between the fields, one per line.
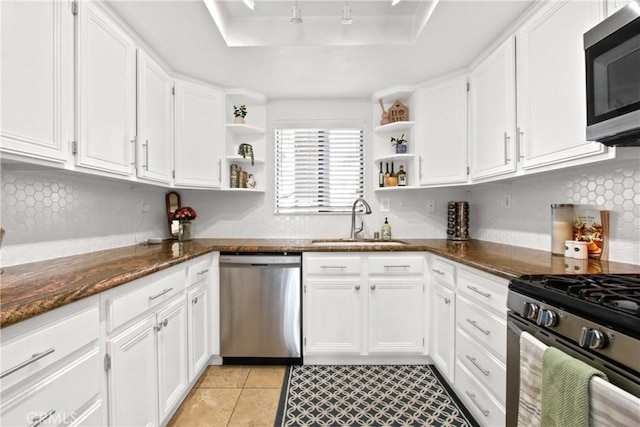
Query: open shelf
x=397 y=188
x=243 y=190
x=392 y=94
x=239 y=129
x=246 y=97
x=395 y=127
x=395 y=158
x=243 y=161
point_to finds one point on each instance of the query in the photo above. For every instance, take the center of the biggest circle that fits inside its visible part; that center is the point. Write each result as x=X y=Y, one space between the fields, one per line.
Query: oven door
x=613 y=83
x=625 y=379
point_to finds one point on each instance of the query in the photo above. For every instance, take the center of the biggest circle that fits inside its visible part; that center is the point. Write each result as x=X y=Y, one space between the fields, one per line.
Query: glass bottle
x=381 y=177
x=386 y=176
x=386 y=230
x=402 y=177
x=393 y=178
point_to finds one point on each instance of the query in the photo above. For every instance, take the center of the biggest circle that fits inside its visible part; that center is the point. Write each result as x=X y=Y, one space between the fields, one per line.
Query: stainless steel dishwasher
x=260 y=300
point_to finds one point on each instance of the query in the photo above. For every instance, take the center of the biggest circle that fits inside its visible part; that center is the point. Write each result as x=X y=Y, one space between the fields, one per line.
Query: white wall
x=49 y=214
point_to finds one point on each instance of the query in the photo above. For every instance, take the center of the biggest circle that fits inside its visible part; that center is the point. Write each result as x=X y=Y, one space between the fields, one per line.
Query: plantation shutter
x=319 y=169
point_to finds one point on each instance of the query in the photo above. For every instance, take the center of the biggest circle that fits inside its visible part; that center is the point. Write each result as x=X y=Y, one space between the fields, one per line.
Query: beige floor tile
x=224 y=377
x=206 y=407
x=256 y=407
x=265 y=377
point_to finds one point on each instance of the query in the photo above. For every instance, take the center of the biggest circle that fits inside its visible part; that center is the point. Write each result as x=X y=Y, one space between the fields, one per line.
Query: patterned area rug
x=374 y=395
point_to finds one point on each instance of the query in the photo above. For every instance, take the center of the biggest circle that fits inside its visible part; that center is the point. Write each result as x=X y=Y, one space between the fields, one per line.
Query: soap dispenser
x=386 y=230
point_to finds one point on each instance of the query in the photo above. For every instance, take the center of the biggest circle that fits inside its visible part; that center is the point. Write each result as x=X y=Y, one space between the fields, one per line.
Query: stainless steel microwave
x=612 y=54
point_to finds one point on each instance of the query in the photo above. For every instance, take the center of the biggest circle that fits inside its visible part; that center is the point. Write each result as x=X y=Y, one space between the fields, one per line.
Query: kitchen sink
x=358 y=242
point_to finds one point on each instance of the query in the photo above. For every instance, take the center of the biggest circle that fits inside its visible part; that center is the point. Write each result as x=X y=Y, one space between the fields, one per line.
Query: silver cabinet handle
x=473 y=399
x=219 y=170
x=475 y=324
x=397 y=266
x=420 y=166
x=475 y=363
x=438 y=271
x=519 y=141
x=446 y=300
x=357 y=287
x=201 y=272
x=133 y=158
x=195 y=300
x=373 y=287
x=39 y=420
x=164 y=291
x=476 y=290
x=146 y=154
x=34 y=358
x=507 y=138
x=333 y=266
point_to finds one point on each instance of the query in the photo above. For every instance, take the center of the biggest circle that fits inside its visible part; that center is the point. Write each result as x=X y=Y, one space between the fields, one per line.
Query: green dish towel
x=565 y=390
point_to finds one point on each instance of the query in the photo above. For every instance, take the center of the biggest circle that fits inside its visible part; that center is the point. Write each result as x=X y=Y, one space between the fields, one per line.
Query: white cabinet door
x=396 y=315
x=155 y=121
x=493 y=109
x=551 y=83
x=443 y=329
x=133 y=376
x=37 y=78
x=172 y=356
x=333 y=316
x=199 y=119
x=441 y=129
x=106 y=93
x=198 y=318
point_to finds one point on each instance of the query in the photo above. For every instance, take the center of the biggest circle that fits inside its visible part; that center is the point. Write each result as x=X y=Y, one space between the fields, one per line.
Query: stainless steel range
x=594 y=318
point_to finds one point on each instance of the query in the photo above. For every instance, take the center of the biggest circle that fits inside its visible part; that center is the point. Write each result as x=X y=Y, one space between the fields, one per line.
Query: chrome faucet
x=367 y=211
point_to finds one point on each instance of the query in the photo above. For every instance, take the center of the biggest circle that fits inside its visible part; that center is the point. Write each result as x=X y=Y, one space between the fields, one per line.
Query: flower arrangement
x=184 y=213
x=400 y=144
x=240 y=111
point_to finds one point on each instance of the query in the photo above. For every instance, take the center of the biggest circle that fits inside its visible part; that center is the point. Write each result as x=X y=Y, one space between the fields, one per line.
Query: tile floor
x=232 y=396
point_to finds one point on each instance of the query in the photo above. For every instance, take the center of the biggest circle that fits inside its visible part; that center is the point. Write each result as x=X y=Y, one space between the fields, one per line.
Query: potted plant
x=400 y=143
x=246 y=150
x=240 y=113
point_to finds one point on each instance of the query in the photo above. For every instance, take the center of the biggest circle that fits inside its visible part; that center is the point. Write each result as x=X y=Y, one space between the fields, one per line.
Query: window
x=318 y=169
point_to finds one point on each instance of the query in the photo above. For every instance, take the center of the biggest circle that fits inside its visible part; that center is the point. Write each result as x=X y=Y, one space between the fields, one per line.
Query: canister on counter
x=561 y=227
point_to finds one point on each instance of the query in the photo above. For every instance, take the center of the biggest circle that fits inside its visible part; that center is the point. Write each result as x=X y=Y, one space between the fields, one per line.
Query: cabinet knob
x=195 y=300
x=357 y=287
x=446 y=300
x=373 y=287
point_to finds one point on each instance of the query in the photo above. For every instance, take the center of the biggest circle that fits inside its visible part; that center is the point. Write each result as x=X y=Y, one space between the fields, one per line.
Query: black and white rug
x=373 y=395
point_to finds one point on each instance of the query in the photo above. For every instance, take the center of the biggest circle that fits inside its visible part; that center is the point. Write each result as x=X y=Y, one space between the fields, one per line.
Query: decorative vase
x=185 y=232
x=239 y=120
x=401 y=148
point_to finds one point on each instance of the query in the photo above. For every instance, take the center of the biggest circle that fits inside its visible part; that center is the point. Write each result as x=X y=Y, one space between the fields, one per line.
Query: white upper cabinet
x=551 y=83
x=106 y=93
x=441 y=131
x=493 y=114
x=199 y=121
x=37 y=79
x=155 y=121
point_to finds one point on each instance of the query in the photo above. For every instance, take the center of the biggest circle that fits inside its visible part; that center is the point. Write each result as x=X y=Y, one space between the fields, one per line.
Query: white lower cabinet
x=443 y=323
x=198 y=318
x=51 y=368
x=362 y=305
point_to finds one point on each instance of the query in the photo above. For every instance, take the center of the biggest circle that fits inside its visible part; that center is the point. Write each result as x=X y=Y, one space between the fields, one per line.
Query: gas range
x=599 y=313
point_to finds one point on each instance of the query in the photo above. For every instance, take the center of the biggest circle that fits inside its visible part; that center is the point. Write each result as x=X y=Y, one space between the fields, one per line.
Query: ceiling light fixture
x=346 y=14
x=395 y=2
x=249 y=3
x=296 y=17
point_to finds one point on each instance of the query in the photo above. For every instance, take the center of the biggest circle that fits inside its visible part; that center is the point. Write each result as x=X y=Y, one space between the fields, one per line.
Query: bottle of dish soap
x=386 y=230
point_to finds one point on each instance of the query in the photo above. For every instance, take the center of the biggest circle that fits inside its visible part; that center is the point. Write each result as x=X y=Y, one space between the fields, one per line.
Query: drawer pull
x=476 y=290
x=475 y=363
x=164 y=291
x=195 y=300
x=474 y=323
x=473 y=399
x=37 y=421
x=447 y=300
x=161 y=324
x=200 y=273
x=357 y=287
x=397 y=266
x=438 y=271
x=373 y=287
x=34 y=358
x=342 y=267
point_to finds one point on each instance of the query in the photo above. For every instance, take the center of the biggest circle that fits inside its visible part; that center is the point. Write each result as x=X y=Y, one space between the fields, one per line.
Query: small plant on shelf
x=246 y=150
x=400 y=144
x=240 y=113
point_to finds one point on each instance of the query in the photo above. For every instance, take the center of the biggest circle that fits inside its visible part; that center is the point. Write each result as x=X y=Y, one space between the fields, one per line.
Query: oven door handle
x=514 y=328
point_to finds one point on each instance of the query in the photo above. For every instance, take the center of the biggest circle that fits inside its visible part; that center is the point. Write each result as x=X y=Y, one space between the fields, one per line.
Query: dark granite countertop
x=27 y=290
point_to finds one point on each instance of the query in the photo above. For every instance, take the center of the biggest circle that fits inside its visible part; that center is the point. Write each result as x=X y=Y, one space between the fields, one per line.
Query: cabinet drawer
x=332 y=265
x=443 y=272
x=396 y=265
x=485 y=327
x=143 y=294
x=486 y=410
x=490 y=292
x=486 y=368
x=58 y=397
x=199 y=271
x=39 y=349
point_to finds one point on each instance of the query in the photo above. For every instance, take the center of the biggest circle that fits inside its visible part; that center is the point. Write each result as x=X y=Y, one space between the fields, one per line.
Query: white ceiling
x=184 y=34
